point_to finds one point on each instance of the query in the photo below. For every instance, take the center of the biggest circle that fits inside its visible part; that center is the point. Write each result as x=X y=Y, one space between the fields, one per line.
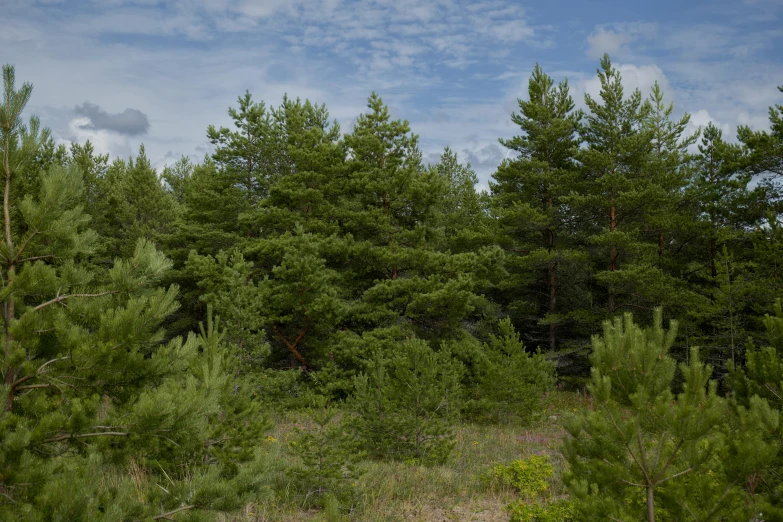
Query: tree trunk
x=612 y=249
x=550 y=239
x=292 y=346
x=650 y=504
x=552 y=303
x=9 y=312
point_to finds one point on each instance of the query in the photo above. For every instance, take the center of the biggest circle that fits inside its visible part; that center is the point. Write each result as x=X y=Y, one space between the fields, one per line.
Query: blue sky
x=123 y=72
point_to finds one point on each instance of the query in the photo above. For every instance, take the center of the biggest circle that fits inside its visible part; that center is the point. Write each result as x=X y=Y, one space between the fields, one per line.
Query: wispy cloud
x=616 y=39
x=454 y=68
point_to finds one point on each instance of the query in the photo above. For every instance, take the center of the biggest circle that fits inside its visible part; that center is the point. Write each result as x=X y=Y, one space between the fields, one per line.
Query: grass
x=397 y=491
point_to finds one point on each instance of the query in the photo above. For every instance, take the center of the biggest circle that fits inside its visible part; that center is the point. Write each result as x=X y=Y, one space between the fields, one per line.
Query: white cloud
x=701 y=118
x=641 y=77
x=615 y=39
x=105 y=142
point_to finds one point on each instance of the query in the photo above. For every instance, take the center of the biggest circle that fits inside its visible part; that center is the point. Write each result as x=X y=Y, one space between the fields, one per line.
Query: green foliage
x=532 y=478
x=557 y=511
x=765 y=147
x=406 y=404
x=244 y=153
x=763 y=372
x=529 y=476
x=227 y=286
x=758 y=391
x=327 y=472
x=667 y=453
x=528 y=198
x=102 y=419
x=135 y=205
x=509 y=383
x=343 y=268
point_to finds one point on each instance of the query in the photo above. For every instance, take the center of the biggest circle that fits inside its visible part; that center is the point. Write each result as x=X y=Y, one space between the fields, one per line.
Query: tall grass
x=398 y=491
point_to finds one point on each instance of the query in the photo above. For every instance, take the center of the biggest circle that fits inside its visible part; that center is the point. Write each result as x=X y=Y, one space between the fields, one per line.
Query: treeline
x=150 y=320
x=320 y=238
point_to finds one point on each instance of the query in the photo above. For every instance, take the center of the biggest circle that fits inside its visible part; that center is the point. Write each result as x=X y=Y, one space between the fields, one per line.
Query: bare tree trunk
x=9 y=312
x=650 y=504
x=552 y=303
x=613 y=249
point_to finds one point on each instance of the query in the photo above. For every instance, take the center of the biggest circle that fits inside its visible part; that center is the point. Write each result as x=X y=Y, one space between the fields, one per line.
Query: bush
x=405 y=406
x=530 y=476
x=328 y=458
x=510 y=382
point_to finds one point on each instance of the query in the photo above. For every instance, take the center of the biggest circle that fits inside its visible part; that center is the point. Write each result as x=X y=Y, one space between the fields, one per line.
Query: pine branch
x=15 y=385
x=292 y=346
x=683 y=472
x=35 y=258
x=61 y=298
x=67 y=436
x=670 y=460
x=717 y=503
x=628 y=447
x=24 y=245
x=771 y=390
x=32 y=387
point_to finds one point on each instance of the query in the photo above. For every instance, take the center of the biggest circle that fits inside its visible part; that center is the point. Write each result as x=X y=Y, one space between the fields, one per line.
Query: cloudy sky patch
x=161 y=71
x=130 y=122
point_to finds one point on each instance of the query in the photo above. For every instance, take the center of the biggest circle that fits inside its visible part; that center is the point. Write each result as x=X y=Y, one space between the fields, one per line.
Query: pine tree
x=210 y=213
x=766 y=147
x=136 y=206
x=307 y=186
x=207 y=223
x=301 y=297
x=527 y=197
x=406 y=404
x=246 y=153
x=509 y=384
x=614 y=188
x=93 y=167
x=391 y=212
x=297 y=301
x=643 y=452
x=670 y=164
x=464 y=213
x=177 y=176
x=720 y=187
x=227 y=286
x=90 y=391
x=768 y=251
x=328 y=458
x=761 y=378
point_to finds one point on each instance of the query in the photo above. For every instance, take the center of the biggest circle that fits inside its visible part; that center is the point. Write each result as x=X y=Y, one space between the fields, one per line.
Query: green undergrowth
x=468 y=486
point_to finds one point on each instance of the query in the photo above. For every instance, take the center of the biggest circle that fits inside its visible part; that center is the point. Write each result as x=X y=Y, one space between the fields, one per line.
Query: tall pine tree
x=537 y=227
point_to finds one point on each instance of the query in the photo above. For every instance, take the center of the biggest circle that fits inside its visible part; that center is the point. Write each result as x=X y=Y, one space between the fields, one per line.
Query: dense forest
x=160 y=327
